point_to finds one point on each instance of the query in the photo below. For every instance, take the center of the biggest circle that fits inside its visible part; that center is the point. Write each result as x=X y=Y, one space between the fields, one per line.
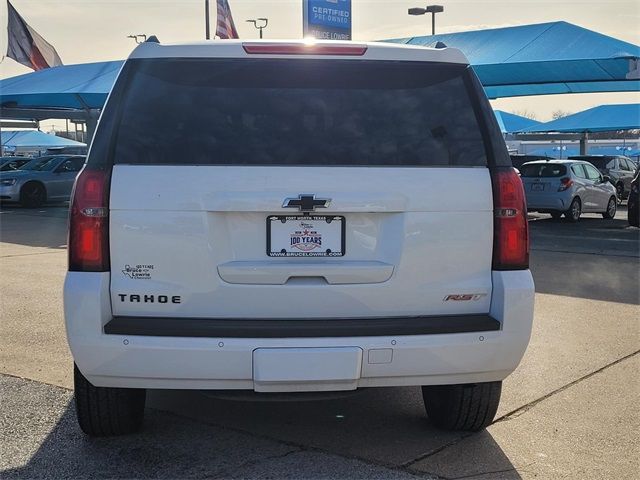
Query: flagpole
x=206 y=19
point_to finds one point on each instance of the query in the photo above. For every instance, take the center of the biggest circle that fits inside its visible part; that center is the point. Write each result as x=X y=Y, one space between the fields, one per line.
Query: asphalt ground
x=569 y=411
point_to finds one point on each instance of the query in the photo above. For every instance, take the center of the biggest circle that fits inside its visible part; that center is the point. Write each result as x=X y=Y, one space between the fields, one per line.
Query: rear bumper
x=549 y=201
x=291 y=328
x=483 y=348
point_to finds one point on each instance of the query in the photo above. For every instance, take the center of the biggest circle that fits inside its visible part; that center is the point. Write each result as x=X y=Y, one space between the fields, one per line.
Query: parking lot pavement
x=567 y=411
x=40 y=439
x=587 y=430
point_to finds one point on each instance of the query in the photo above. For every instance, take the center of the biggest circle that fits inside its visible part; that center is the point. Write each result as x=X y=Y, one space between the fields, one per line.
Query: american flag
x=225 y=28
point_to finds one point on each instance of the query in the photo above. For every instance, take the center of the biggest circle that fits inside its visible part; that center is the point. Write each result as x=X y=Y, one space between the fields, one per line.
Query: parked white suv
x=286 y=217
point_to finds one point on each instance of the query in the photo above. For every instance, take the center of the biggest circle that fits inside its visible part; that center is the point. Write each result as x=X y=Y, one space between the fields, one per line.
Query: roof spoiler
x=152 y=39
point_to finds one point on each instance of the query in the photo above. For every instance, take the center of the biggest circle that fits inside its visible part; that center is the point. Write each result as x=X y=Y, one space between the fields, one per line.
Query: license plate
x=305 y=236
x=537 y=187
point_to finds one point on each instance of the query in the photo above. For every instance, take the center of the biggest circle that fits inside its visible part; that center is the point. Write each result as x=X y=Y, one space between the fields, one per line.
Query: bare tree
x=559 y=114
x=525 y=113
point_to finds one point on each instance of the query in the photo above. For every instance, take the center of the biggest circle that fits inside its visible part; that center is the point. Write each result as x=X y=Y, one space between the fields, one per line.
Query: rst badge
x=464 y=297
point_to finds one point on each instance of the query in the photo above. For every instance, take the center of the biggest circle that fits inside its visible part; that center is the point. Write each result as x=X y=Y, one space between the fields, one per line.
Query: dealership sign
x=327 y=19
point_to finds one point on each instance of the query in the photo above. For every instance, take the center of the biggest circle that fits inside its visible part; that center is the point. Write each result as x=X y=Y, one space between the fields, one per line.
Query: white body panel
x=408 y=242
x=227 y=363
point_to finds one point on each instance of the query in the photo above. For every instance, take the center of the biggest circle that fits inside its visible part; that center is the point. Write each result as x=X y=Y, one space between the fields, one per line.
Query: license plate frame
x=312 y=220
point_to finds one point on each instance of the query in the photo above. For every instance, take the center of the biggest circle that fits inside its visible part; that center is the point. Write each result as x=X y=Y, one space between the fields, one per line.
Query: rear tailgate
x=199 y=233
x=206 y=151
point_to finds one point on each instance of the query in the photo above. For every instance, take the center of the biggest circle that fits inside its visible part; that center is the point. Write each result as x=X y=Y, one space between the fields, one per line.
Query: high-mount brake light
x=511 y=231
x=89 y=223
x=304 y=49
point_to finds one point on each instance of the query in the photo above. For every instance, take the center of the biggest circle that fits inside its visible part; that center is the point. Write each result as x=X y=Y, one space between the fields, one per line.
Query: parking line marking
x=574 y=237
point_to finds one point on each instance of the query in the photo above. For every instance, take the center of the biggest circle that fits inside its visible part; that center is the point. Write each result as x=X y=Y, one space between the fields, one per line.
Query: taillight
x=511 y=232
x=89 y=223
x=304 y=49
x=564 y=184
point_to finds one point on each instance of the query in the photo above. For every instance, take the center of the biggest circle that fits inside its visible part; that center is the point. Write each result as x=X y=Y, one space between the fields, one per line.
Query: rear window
x=295 y=112
x=599 y=162
x=519 y=160
x=543 y=170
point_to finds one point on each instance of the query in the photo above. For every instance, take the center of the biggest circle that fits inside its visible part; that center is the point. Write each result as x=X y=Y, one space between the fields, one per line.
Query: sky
x=96 y=30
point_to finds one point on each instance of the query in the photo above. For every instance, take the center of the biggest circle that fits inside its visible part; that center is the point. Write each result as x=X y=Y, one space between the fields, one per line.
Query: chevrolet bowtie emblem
x=306 y=203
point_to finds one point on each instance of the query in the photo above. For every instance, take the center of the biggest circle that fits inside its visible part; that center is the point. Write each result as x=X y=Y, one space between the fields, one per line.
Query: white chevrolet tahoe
x=294 y=217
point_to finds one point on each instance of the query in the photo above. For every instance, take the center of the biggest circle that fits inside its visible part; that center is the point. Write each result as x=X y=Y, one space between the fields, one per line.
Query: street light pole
x=433 y=23
x=432 y=9
x=206 y=20
x=259 y=23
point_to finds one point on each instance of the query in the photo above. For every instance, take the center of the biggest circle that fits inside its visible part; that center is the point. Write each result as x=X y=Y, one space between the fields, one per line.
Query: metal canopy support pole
x=584 y=144
x=91 y=124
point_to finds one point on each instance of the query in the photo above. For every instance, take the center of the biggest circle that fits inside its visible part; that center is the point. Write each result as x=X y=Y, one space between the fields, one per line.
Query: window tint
x=295 y=112
x=578 y=171
x=41 y=164
x=12 y=165
x=598 y=162
x=624 y=165
x=495 y=146
x=72 y=165
x=543 y=170
x=592 y=173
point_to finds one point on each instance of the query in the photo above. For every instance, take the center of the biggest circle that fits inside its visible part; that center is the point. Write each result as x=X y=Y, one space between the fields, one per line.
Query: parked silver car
x=8 y=164
x=619 y=169
x=42 y=179
x=568 y=187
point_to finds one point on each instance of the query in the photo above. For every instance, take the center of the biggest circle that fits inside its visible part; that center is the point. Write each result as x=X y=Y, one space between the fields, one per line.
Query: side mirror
x=606 y=178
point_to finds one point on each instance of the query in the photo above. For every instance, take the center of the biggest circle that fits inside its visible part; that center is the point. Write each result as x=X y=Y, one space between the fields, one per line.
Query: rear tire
x=575 y=210
x=32 y=195
x=470 y=407
x=612 y=206
x=105 y=411
x=620 y=192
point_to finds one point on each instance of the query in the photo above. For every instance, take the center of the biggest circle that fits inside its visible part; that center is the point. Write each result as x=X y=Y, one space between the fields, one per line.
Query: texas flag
x=26 y=46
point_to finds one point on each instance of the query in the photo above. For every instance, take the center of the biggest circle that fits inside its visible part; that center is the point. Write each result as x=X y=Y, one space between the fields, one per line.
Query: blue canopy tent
x=527 y=60
x=605 y=118
x=79 y=86
x=34 y=140
x=74 y=92
x=542 y=59
x=565 y=151
x=510 y=123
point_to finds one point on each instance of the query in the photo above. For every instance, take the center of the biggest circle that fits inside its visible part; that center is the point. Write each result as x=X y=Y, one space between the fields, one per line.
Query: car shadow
x=222 y=438
x=595 y=258
x=35 y=227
